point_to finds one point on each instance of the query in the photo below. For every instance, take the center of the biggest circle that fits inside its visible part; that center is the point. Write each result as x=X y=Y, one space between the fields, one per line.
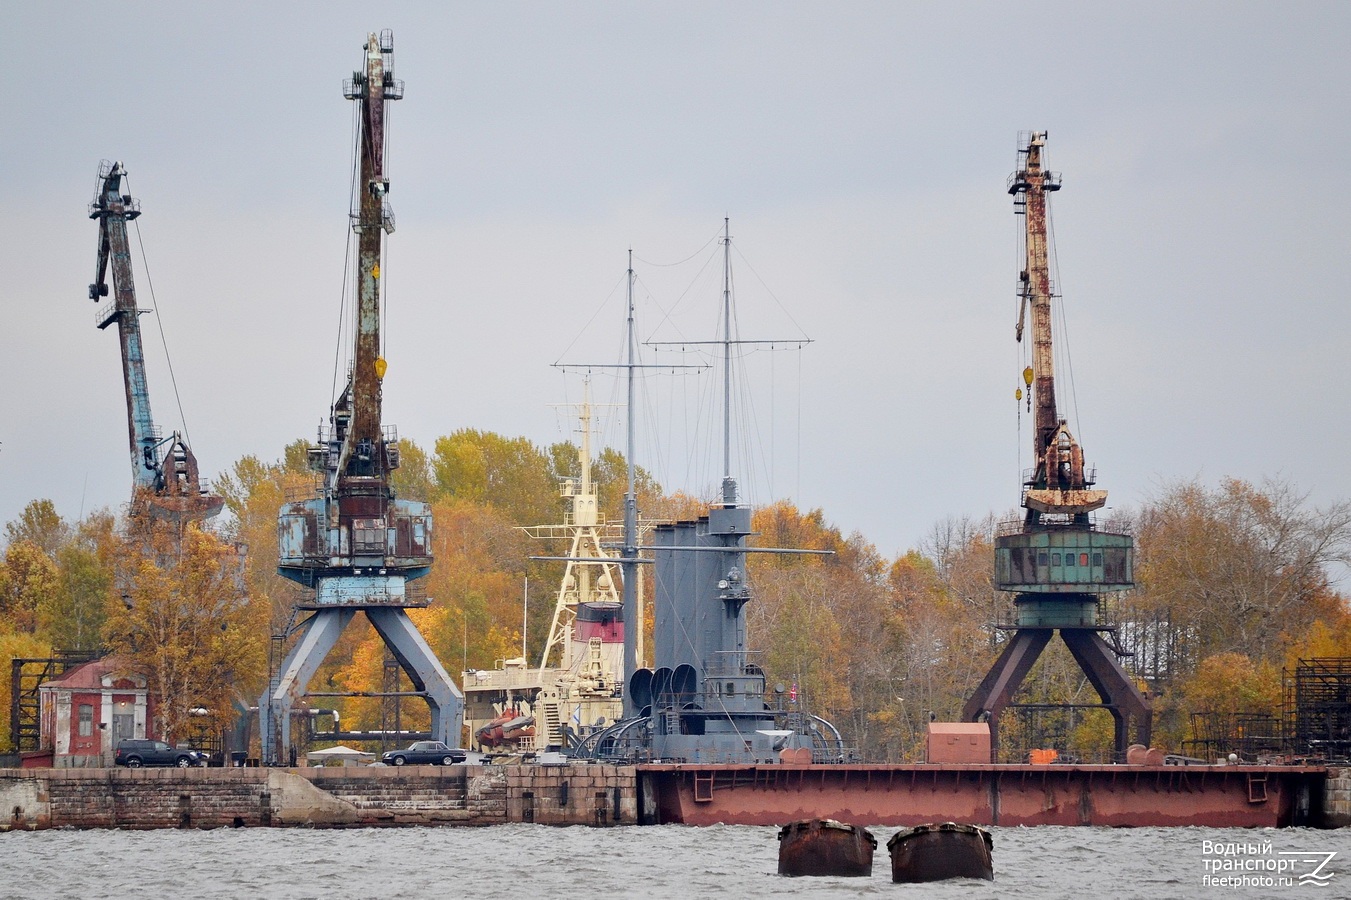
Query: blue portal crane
x=356 y=545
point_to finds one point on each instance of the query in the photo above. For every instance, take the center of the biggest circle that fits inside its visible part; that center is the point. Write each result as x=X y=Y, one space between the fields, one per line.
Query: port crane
x=356 y=545
x=165 y=479
x=1057 y=562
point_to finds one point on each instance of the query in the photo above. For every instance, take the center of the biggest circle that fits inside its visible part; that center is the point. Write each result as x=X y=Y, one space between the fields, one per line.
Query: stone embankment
x=328 y=797
x=1337 y=798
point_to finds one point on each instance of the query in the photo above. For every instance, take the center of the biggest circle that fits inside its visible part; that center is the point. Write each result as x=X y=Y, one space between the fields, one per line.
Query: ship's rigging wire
x=802 y=331
x=716 y=234
x=581 y=331
x=159 y=323
x=676 y=418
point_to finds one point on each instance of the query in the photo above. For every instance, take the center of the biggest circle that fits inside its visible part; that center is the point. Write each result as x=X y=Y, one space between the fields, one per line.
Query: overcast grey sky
x=860 y=149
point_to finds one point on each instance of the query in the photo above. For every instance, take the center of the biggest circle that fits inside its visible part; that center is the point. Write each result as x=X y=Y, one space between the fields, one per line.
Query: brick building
x=89 y=709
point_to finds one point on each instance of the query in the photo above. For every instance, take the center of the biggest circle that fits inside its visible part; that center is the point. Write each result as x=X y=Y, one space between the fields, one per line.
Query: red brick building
x=86 y=711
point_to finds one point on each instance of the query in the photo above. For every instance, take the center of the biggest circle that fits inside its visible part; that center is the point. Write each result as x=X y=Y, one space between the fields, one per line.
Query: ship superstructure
x=705 y=698
x=577 y=688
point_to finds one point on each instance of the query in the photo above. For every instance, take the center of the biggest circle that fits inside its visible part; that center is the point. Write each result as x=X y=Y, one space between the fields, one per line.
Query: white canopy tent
x=347 y=755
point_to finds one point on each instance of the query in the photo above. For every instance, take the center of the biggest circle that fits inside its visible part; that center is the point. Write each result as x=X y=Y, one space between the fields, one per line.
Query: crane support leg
x=1128 y=706
x=1004 y=679
x=320 y=633
x=416 y=658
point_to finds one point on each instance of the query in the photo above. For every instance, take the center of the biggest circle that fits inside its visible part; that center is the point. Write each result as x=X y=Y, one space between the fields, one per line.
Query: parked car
x=136 y=753
x=423 y=753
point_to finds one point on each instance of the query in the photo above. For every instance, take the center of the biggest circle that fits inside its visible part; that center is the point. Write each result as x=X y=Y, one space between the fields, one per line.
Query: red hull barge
x=1007 y=795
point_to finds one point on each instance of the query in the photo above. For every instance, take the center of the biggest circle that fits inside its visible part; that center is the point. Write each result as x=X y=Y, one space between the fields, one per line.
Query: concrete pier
x=317 y=797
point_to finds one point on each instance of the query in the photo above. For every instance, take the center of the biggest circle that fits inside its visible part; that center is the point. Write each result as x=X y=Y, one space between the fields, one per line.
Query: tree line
x=1234 y=584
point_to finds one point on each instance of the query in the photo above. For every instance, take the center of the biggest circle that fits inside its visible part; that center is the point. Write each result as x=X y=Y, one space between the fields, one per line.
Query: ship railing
x=734 y=662
x=1049 y=522
x=306 y=491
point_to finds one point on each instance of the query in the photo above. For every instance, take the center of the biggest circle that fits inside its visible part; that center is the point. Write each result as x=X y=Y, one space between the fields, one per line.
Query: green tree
x=510 y=474
x=413 y=479
x=72 y=616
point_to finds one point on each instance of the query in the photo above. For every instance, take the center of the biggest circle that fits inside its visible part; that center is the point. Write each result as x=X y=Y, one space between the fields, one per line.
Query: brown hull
x=1005 y=795
x=825 y=847
x=939 y=852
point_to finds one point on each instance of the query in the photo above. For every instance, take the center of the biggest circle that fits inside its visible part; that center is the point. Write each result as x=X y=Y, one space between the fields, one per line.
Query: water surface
x=532 y=862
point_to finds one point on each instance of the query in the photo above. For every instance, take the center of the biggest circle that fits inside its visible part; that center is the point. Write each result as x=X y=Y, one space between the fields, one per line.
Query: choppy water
x=525 y=862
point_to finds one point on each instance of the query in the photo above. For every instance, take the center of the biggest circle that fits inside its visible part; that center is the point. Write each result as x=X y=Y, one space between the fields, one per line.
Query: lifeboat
x=825 y=847
x=505 y=729
x=938 y=852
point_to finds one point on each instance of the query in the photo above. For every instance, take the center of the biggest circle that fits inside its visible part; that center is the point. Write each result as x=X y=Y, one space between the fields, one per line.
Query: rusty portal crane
x=164 y=475
x=356 y=545
x=1057 y=562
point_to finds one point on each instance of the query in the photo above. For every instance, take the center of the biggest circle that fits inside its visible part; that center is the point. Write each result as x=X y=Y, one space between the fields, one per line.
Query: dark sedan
x=424 y=753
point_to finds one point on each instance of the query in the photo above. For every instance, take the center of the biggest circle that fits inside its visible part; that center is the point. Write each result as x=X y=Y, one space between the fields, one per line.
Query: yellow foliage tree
x=186 y=623
x=15 y=645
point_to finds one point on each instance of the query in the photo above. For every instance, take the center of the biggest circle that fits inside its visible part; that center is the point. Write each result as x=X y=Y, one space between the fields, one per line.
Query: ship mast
x=629 y=560
x=728 y=482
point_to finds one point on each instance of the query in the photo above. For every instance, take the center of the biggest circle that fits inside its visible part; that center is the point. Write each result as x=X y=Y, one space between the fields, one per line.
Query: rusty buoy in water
x=825 y=847
x=936 y=852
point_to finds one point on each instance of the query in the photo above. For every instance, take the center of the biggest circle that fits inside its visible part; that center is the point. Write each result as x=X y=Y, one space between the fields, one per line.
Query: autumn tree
x=29 y=580
x=186 y=623
x=254 y=492
x=413 y=479
x=15 y=645
x=39 y=524
x=510 y=474
x=1236 y=569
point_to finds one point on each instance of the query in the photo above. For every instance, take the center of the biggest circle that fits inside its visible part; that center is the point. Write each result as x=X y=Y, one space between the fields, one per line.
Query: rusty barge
x=990 y=794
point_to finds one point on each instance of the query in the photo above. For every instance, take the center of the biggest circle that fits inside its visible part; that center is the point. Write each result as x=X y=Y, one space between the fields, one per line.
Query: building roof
x=90 y=676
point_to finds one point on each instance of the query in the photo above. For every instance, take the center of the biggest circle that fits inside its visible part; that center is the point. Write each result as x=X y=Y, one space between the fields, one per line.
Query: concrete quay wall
x=1337 y=798
x=326 y=797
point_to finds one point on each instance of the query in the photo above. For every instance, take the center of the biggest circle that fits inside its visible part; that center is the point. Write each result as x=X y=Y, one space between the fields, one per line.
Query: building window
x=86 y=720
